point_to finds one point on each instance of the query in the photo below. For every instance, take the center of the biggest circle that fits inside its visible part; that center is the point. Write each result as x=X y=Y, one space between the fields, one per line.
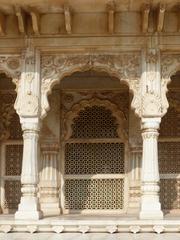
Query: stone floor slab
x=90 y=236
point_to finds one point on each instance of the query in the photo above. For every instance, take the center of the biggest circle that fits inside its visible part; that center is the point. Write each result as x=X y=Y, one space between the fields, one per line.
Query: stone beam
x=160 y=19
x=2 y=24
x=111 y=11
x=35 y=17
x=21 y=19
x=68 y=21
x=145 y=17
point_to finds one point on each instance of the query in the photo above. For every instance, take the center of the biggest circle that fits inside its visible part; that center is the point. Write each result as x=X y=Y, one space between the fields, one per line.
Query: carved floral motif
x=135 y=229
x=11 y=66
x=112 y=229
x=125 y=66
x=83 y=229
x=151 y=105
x=170 y=64
x=29 y=105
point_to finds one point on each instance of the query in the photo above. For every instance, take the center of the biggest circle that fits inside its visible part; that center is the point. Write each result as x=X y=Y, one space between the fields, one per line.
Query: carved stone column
x=29 y=204
x=49 y=180
x=150 y=205
x=135 y=177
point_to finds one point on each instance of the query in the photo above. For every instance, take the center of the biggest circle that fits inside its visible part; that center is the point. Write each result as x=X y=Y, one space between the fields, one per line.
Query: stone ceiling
x=46 y=6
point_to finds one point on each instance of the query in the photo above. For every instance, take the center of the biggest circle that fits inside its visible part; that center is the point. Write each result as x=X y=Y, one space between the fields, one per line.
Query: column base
x=150 y=208
x=28 y=209
x=28 y=215
x=151 y=215
x=50 y=209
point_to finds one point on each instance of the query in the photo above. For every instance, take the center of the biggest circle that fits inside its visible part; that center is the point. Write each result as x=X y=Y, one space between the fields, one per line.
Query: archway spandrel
x=170 y=64
x=11 y=66
x=125 y=66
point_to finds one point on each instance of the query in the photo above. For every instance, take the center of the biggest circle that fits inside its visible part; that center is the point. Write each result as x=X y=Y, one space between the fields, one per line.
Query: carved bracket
x=125 y=66
x=11 y=66
x=170 y=64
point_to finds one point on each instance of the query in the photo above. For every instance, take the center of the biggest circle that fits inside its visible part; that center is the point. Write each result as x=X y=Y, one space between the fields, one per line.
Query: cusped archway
x=124 y=66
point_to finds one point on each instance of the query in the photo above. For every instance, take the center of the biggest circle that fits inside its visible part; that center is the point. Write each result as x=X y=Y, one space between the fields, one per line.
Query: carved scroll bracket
x=27 y=104
x=170 y=64
x=11 y=66
x=125 y=66
x=151 y=84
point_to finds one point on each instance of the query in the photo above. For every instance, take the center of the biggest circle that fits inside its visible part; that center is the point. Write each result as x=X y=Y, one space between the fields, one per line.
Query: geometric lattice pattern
x=13 y=160
x=170 y=125
x=169 y=157
x=170 y=193
x=12 y=194
x=85 y=156
x=94 y=122
x=15 y=128
x=94 y=158
x=94 y=194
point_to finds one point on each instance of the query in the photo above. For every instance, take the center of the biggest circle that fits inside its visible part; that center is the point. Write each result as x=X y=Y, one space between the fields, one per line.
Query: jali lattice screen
x=94 y=157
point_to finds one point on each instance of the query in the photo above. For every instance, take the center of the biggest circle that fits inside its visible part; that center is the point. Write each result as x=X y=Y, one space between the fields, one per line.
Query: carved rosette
x=170 y=64
x=125 y=66
x=11 y=66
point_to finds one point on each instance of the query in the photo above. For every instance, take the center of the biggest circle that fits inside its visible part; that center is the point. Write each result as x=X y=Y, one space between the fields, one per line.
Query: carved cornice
x=119 y=116
x=125 y=66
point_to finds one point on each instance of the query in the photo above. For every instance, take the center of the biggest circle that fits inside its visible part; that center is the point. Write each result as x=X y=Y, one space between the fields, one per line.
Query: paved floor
x=90 y=236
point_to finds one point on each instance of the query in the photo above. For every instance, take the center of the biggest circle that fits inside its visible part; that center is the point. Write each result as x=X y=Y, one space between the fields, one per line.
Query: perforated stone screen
x=170 y=124
x=15 y=128
x=170 y=193
x=95 y=122
x=12 y=194
x=94 y=194
x=94 y=158
x=94 y=150
x=13 y=159
x=169 y=157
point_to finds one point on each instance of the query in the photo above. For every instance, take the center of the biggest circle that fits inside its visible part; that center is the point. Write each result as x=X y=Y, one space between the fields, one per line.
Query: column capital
x=150 y=123
x=31 y=124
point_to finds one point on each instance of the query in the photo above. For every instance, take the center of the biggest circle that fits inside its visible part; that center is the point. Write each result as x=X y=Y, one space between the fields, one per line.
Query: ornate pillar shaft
x=136 y=160
x=29 y=204
x=150 y=205
x=49 y=182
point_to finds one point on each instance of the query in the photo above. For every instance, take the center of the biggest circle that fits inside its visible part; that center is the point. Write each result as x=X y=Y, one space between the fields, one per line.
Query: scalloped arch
x=125 y=66
x=74 y=112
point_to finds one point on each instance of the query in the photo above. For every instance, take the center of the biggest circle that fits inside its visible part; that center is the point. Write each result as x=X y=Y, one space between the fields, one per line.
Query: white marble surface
x=90 y=236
